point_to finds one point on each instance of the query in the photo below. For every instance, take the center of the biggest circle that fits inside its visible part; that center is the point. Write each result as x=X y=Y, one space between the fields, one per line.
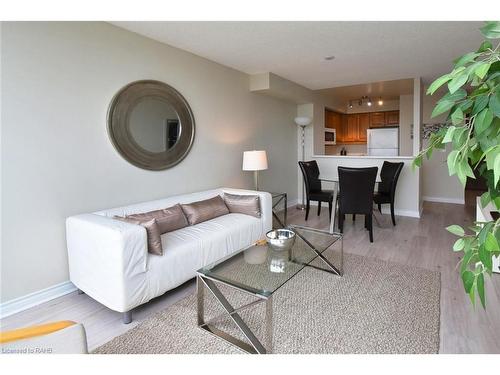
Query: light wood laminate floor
x=417 y=242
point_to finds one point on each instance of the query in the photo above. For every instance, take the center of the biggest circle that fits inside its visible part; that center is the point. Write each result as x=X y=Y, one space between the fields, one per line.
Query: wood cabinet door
x=328 y=119
x=392 y=118
x=342 y=129
x=363 y=125
x=351 y=133
x=377 y=119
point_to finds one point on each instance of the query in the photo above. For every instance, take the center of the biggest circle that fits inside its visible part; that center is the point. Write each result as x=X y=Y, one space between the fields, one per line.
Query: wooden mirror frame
x=118 y=124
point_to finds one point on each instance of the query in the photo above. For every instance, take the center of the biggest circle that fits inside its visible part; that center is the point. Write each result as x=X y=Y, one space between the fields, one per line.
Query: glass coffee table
x=259 y=272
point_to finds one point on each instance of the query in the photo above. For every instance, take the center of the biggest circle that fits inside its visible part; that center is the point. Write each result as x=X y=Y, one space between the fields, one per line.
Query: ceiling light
x=369 y=103
x=329 y=58
x=350 y=104
x=380 y=101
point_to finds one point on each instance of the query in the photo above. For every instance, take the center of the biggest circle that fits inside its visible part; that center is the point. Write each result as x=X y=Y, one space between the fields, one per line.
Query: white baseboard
x=409 y=213
x=385 y=209
x=36 y=298
x=444 y=200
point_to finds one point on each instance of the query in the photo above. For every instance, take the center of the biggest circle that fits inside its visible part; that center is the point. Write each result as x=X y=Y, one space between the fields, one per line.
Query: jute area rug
x=376 y=307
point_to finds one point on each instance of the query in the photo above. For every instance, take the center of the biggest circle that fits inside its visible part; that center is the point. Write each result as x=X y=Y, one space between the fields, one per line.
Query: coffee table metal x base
x=254 y=346
x=330 y=267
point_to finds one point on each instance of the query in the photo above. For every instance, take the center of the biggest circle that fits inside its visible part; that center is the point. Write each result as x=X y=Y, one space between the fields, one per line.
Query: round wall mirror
x=151 y=125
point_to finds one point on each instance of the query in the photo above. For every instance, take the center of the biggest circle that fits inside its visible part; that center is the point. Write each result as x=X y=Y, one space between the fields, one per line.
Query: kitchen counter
x=407 y=192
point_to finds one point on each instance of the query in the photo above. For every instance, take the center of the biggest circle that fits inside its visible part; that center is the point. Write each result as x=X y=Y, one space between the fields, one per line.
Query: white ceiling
x=364 y=51
x=387 y=90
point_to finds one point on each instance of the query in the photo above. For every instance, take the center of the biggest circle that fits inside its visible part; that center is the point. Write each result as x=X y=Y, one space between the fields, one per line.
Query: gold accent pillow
x=152 y=230
x=243 y=204
x=198 y=212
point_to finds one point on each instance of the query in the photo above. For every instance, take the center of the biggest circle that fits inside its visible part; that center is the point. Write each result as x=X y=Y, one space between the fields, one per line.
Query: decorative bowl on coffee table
x=280 y=239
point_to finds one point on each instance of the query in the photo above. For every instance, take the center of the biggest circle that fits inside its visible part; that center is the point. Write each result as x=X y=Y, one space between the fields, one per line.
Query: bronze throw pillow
x=152 y=230
x=198 y=212
x=243 y=204
x=168 y=219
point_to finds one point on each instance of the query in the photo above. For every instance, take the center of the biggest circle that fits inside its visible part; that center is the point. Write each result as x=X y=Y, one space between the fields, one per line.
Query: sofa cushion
x=168 y=219
x=196 y=246
x=198 y=212
x=152 y=230
x=243 y=204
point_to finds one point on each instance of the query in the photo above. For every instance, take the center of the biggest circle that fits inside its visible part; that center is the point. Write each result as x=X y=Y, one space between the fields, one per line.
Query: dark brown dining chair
x=356 y=194
x=314 y=192
x=389 y=175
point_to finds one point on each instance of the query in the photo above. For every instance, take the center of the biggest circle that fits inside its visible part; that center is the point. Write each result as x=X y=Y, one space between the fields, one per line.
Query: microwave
x=330 y=137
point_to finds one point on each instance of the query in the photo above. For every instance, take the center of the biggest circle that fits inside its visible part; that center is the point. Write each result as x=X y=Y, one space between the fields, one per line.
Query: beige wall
x=437 y=184
x=405 y=124
x=57 y=82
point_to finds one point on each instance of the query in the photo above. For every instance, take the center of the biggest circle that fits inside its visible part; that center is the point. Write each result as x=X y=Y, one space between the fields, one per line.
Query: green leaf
x=457 y=117
x=491 y=30
x=480 y=289
x=472 y=296
x=459 y=245
x=491 y=244
x=438 y=83
x=467 y=58
x=495 y=103
x=485 y=199
x=442 y=107
x=448 y=101
x=485 y=258
x=417 y=162
x=451 y=160
x=484 y=46
x=496 y=169
x=482 y=121
x=480 y=103
x=457 y=82
x=468 y=280
x=456 y=230
x=448 y=137
x=482 y=69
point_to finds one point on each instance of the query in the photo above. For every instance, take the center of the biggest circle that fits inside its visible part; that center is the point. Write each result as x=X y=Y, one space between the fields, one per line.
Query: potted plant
x=472 y=101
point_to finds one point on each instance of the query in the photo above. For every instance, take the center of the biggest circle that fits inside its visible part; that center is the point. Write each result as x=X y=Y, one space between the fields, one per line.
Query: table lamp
x=255 y=161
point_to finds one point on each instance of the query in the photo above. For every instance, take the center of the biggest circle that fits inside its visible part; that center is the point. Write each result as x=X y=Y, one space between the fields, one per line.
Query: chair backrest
x=356 y=189
x=389 y=175
x=310 y=172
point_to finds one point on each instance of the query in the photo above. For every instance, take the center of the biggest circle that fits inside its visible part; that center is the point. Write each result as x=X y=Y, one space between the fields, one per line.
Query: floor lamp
x=302 y=122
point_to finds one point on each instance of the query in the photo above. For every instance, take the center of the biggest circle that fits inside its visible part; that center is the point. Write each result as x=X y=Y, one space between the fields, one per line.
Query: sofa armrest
x=108 y=259
x=266 y=205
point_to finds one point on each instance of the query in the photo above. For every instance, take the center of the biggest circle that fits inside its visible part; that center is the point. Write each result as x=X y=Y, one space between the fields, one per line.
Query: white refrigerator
x=383 y=141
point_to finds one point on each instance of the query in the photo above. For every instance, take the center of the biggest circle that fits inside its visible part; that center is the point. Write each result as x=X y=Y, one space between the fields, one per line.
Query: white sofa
x=109 y=260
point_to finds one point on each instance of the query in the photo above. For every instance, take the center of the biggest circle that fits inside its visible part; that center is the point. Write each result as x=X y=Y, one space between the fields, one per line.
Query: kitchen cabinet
x=351 y=128
x=392 y=118
x=377 y=119
x=363 y=126
x=333 y=120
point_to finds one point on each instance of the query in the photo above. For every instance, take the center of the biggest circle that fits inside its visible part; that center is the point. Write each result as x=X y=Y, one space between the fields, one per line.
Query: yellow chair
x=64 y=337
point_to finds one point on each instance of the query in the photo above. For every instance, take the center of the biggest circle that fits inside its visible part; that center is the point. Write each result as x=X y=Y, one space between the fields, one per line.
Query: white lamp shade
x=254 y=160
x=303 y=121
